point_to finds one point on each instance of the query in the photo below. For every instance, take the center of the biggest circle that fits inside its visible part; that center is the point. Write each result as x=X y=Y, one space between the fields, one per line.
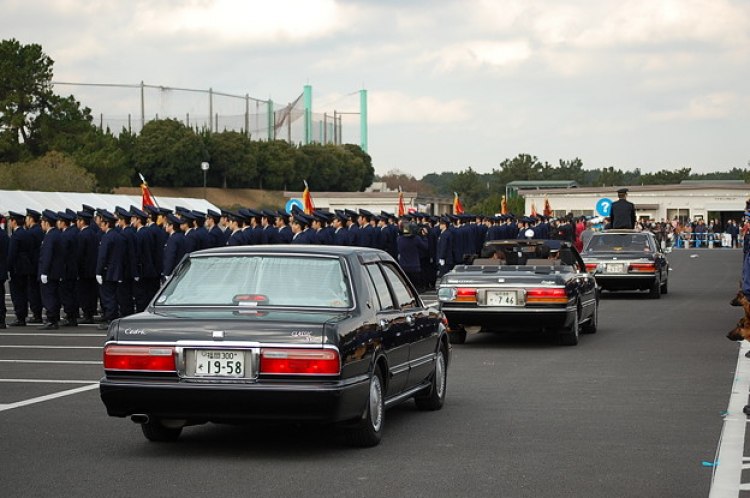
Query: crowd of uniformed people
x=70 y=262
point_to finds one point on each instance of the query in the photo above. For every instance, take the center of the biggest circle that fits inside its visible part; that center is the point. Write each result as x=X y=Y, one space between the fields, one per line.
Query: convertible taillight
x=139 y=358
x=545 y=295
x=645 y=267
x=299 y=361
x=465 y=294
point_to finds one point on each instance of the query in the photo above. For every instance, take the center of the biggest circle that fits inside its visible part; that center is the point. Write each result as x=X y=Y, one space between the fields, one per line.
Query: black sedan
x=526 y=285
x=627 y=260
x=302 y=333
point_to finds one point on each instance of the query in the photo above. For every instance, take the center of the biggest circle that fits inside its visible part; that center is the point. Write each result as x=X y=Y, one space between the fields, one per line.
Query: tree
x=363 y=158
x=63 y=126
x=169 y=153
x=470 y=187
x=107 y=158
x=231 y=158
x=52 y=173
x=395 y=179
x=25 y=93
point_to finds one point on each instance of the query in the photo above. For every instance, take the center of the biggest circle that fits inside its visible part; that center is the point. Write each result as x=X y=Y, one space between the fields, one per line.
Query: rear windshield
x=252 y=281
x=615 y=242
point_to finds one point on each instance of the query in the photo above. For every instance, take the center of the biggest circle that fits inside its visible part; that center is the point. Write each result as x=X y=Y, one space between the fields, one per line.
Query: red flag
x=146 y=198
x=533 y=209
x=307 y=201
x=503 y=206
x=457 y=207
x=547 y=208
x=401 y=207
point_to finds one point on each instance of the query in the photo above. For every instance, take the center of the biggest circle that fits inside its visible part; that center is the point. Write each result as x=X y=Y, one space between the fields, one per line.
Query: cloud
x=712 y=106
x=397 y=107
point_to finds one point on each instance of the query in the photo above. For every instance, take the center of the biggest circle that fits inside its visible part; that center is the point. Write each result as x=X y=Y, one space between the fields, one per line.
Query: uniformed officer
x=411 y=245
x=444 y=254
x=125 y=299
x=192 y=242
x=300 y=224
x=51 y=268
x=146 y=280
x=109 y=265
x=236 y=223
x=37 y=234
x=204 y=239
x=270 y=232
x=174 y=250
x=4 y=244
x=215 y=228
x=622 y=213
x=157 y=232
x=69 y=283
x=282 y=224
x=88 y=251
x=340 y=233
x=20 y=267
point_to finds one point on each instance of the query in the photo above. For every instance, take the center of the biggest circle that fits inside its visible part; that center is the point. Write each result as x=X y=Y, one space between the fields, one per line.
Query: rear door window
x=404 y=295
x=381 y=287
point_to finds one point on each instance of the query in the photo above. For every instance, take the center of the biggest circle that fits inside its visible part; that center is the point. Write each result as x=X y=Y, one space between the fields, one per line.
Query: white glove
x=44 y=279
x=137 y=279
x=441 y=262
x=100 y=279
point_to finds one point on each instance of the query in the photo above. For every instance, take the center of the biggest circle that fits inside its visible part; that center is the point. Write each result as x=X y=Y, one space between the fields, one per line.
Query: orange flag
x=547 y=208
x=307 y=201
x=401 y=207
x=533 y=209
x=457 y=207
x=503 y=206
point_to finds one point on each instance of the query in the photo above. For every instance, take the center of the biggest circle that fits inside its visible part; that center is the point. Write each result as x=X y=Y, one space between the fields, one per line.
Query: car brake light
x=648 y=267
x=299 y=361
x=546 y=295
x=139 y=358
x=591 y=266
x=466 y=294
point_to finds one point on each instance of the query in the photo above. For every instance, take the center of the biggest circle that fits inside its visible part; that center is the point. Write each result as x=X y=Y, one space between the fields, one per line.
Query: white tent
x=19 y=201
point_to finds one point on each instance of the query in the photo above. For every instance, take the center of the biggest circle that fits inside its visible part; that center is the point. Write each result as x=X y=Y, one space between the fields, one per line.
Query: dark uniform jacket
x=218 y=238
x=21 y=253
x=174 y=250
x=70 y=244
x=622 y=214
x=144 y=255
x=88 y=251
x=4 y=244
x=112 y=251
x=52 y=255
x=285 y=235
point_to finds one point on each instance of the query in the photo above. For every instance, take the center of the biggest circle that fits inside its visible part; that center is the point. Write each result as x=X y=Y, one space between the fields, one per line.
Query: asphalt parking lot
x=637 y=409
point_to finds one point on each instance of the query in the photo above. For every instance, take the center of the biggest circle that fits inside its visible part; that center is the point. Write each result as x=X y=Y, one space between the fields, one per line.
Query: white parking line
x=22 y=346
x=60 y=362
x=48 y=397
x=45 y=381
x=727 y=480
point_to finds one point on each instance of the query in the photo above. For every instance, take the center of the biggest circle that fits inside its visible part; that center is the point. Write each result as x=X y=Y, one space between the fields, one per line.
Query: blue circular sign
x=293 y=202
x=604 y=206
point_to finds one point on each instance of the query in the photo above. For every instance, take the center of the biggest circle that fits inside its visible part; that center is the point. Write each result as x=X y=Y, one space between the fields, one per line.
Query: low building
x=377 y=201
x=686 y=201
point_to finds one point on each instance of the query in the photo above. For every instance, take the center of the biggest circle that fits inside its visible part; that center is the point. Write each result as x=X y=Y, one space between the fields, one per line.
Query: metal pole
x=271 y=121
x=210 y=109
x=325 y=127
x=143 y=107
x=335 y=130
x=204 y=183
x=363 y=119
x=308 y=115
x=247 y=115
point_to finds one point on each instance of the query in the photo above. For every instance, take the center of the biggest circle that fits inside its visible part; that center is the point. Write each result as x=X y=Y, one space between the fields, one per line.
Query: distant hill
x=224 y=198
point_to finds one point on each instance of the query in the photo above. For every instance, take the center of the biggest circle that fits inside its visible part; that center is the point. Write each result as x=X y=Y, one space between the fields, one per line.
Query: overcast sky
x=652 y=84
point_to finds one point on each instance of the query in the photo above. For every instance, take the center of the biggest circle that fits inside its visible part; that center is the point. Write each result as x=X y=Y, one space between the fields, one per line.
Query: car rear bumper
x=510 y=319
x=235 y=402
x=626 y=282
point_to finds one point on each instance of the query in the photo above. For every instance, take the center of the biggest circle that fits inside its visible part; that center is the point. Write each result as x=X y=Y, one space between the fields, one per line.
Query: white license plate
x=219 y=363
x=617 y=268
x=502 y=298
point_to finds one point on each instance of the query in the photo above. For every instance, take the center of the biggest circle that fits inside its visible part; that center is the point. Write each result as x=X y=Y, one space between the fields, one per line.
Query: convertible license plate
x=219 y=363
x=502 y=298
x=615 y=268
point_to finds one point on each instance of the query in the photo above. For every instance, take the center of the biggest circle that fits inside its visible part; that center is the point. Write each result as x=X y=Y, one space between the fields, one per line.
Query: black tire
x=655 y=291
x=154 y=431
x=436 y=397
x=592 y=324
x=569 y=335
x=457 y=335
x=369 y=430
x=665 y=287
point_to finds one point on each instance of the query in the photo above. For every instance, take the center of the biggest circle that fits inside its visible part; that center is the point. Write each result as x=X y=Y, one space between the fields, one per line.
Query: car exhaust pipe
x=139 y=418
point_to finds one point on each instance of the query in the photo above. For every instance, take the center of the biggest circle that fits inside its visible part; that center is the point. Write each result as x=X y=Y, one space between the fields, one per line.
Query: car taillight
x=591 y=266
x=466 y=294
x=299 y=361
x=552 y=295
x=647 y=267
x=139 y=358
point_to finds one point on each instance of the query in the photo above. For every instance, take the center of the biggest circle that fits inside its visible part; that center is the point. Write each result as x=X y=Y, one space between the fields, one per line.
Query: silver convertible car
x=627 y=260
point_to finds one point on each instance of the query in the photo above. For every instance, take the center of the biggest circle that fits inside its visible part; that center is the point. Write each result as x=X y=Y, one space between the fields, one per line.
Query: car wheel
x=655 y=291
x=569 y=335
x=457 y=335
x=156 y=432
x=664 y=287
x=436 y=397
x=591 y=326
x=369 y=430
